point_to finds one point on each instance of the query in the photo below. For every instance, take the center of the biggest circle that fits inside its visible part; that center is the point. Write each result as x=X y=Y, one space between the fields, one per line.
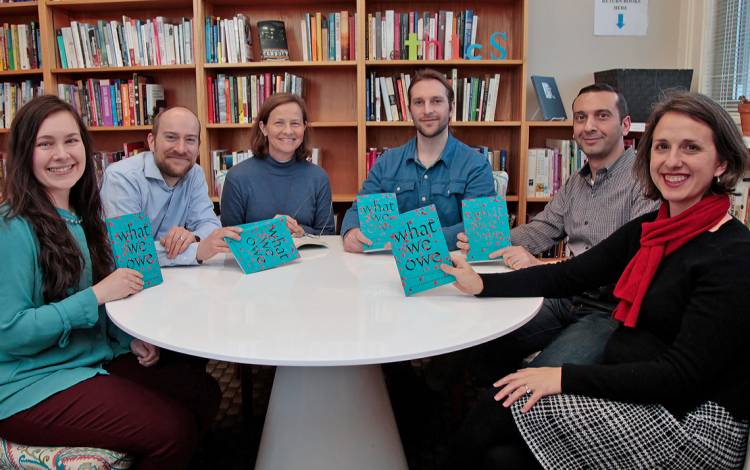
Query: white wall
x=561 y=43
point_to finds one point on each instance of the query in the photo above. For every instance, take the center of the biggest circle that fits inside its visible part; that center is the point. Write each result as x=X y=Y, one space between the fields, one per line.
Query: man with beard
x=432 y=168
x=170 y=189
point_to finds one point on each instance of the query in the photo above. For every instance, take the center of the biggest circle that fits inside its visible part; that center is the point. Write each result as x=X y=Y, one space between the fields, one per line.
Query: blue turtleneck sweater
x=260 y=188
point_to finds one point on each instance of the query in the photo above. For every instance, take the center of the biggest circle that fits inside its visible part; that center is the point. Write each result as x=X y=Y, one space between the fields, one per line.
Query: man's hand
x=147 y=353
x=516 y=257
x=294 y=227
x=176 y=241
x=354 y=239
x=215 y=243
x=463 y=243
x=467 y=281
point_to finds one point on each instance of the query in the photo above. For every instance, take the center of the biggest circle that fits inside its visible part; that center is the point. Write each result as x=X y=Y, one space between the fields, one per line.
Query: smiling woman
x=279 y=181
x=68 y=376
x=682 y=284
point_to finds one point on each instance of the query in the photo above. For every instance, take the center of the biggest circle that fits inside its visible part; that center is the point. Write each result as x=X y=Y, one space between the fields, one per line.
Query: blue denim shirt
x=460 y=173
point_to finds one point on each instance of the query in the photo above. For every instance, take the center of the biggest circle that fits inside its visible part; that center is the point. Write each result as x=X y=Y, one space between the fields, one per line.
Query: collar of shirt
x=622 y=162
x=446 y=156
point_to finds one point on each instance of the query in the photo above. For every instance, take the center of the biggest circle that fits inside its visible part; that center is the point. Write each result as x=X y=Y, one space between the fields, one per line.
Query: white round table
x=327 y=321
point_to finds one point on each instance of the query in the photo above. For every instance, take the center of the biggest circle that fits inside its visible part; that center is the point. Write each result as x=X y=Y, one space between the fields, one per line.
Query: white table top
x=330 y=308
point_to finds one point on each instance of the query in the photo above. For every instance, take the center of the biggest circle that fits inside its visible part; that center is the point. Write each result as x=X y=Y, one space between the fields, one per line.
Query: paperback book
x=487 y=226
x=419 y=247
x=133 y=246
x=263 y=245
x=376 y=215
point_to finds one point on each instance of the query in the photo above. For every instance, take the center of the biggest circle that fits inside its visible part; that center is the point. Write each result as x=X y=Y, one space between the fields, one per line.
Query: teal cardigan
x=46 y=348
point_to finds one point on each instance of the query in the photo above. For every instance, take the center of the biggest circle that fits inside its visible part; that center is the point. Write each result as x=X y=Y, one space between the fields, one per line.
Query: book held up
x=133 y=246
x=263 y=245
x=419 y=247
x=487 y=227
x=376 y=215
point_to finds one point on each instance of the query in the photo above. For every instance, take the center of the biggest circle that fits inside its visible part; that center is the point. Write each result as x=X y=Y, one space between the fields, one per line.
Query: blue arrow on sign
x=620 y=20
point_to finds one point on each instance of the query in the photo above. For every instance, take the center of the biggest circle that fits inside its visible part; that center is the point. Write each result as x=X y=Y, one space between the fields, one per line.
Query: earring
x=718 y=180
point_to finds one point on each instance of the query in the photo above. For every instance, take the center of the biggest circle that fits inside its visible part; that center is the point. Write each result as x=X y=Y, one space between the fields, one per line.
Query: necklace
x=75 y=220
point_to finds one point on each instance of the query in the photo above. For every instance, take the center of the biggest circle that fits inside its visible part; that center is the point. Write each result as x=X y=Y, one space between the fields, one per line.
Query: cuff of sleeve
x=80 y=310
x=189 y=256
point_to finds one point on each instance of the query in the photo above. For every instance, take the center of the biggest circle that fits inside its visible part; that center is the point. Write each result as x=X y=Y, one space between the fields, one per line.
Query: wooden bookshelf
x=333 y=91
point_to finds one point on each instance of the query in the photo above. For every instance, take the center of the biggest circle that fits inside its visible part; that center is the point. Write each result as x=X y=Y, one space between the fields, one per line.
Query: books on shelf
x=549 y=99
x=13 y=95
x=221 y=161
x=438 y=35
x=234 y=99
x=372 y=155
x=475 y=97
x=328 y=37
x=273 y=45
x=130 y=42
x=549 y=168
x=228 y=40
x=19 y=46
x=115 y=102
x=103 y=159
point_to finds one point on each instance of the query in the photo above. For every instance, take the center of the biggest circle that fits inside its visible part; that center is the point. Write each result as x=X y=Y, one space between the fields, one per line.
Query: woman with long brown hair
x=67 y=375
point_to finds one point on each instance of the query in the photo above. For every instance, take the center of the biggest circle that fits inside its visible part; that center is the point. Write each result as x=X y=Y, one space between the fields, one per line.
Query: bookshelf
x=334 y=90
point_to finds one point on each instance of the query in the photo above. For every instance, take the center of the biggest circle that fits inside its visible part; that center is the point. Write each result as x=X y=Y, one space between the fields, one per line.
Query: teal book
x=376 y=215
x=263 y=245
x=419 y=247
x=486 y=225
x=133 y=246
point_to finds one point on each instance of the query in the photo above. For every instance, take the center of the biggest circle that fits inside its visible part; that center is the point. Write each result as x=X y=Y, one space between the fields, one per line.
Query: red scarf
x=659 y=239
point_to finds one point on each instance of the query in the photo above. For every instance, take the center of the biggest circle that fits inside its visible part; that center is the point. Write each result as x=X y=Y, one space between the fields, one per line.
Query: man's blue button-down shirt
x=460 y=173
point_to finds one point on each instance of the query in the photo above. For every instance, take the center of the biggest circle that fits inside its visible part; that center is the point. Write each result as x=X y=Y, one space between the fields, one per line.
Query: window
x=728 y=64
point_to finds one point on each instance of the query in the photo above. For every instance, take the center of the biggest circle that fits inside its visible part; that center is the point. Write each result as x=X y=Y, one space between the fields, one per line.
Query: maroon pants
x=155 y=414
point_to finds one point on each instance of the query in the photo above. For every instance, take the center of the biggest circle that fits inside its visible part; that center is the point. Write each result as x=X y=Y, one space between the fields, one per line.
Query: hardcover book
x=486 y=225
x=133 y=246
x=263 y=245
x=419 y=247
x=273 y=40
x=549 y=98
x=376 y=215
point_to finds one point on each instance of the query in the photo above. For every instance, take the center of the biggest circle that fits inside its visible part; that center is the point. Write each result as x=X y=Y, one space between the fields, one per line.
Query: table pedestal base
x=330 y=418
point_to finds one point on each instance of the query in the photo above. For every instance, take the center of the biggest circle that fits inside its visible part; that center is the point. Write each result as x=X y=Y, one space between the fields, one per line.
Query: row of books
x=475 y=97
x=103 y=159
x=237 y=99
x=228 y=40
x=19 y=47
x=549 y=168
x=130 y=42
x=328 y=37
x=115 y=102
x=13 y=95
x=497 y=159
x=441 y=35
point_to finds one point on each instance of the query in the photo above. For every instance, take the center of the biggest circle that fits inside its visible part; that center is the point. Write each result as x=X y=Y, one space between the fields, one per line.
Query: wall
x=561 y=43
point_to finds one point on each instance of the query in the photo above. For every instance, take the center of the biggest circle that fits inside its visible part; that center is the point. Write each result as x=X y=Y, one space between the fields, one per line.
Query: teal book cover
x=419 y=247
x=263 y=245
x=133 y=246
x=486 y=225
x=377 y=212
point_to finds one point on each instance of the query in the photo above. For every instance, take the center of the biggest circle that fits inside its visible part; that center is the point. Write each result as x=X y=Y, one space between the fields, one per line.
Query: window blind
x=728 y=74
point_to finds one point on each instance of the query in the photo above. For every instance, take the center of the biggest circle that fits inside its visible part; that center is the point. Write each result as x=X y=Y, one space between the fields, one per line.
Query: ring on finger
x=528 y=390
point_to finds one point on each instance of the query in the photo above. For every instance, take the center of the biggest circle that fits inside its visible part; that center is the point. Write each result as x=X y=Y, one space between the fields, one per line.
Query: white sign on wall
x=620 y=17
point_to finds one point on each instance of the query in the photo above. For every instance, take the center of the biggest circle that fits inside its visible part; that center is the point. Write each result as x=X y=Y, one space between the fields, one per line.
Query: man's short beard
x=437 y=132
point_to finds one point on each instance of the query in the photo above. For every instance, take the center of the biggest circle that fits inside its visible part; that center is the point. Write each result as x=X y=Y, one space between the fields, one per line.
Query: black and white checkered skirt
x=573 y=431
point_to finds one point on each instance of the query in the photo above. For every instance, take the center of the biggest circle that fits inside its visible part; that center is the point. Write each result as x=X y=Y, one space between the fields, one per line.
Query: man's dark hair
x=622 y=104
